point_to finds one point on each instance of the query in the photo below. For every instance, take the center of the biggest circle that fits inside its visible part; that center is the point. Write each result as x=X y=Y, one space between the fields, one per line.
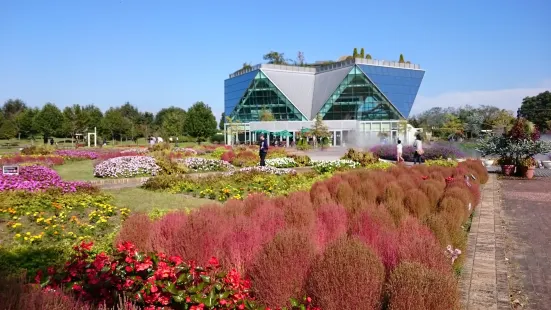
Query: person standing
x=399 y=157
x=418 y=145
x=263 y=150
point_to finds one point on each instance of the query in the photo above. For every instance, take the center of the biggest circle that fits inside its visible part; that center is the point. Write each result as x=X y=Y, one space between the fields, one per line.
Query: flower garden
x=354 y=233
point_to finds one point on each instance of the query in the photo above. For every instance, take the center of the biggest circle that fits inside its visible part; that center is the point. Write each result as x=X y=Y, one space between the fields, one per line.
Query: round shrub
x=437 y=224
x=331 y=223
x=279 y=271
x=136 y=229
x=346 y=197
x=392 y=192
x=460 y=192
x=417 y=203
x=433 y=191
x=367 y=191
x=320 y=195
x=299 y=212
x=453 y=211
x=413 y=286
x=349 y=275
x=126 y=167
x=396 y=210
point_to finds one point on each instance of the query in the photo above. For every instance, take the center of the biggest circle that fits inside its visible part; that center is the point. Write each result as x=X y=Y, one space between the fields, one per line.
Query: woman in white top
x=418 y=144
x=399 y=157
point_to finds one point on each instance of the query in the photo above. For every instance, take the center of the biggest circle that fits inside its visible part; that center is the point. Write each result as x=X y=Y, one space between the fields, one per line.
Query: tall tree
x=222 y=121
x=75 y=120
x=172 y=124
x=275 y=58
x=503 y=120
x=320 y=130
x=200 y=123
x=49 y=120
x=300 y=58
x=402 y=60
x=537 y=109
x=25 y=123
x=246 y=66
x=115 y=124
x=362 y=53
x=12 y=107
x=8 y=130
x=94 y=117
x=266 y=115
x=162 y=114
x=355 y=53
x=368 y=56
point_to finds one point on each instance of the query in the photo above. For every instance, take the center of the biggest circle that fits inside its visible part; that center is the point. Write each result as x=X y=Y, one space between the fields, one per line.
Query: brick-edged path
x=484 y=276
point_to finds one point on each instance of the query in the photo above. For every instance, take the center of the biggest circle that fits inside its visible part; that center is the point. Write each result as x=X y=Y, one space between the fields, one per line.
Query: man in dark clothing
x=263 y=150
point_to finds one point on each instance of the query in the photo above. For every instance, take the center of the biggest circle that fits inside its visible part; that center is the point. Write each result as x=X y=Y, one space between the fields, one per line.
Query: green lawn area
x=76 y=170
x=141 y=200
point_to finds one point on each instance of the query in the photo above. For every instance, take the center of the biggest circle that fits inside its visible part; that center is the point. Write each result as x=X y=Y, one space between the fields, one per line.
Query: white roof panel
x=298 y=87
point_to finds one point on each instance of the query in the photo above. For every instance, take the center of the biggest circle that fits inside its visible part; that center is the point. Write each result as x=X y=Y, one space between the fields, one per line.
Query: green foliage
x=12 y=108
x=169 y=167
x=362 y=53
x=368 y=56
x=301 y=160
x=217 y=138
x=114 y=124
x=275 y=58
x=355 y=53
x=171 y=121
x=402 y=60
x=200 y=123
x=37 y=150
x=75 y=120
x=441 y=162
x=8 y=130
x=222 y=121
x=49 y=119
x=537 y=109
x=363 y=158
x=266 y=115
x=320 y=130
x=160 y=147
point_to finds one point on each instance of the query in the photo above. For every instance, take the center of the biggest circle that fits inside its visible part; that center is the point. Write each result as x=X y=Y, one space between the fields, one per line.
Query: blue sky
x=161 y=53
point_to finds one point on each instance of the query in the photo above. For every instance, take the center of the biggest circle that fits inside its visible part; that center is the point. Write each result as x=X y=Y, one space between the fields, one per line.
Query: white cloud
x=509 y=99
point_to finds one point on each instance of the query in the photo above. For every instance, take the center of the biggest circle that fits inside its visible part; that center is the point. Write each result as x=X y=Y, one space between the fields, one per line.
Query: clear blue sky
x=161 y=53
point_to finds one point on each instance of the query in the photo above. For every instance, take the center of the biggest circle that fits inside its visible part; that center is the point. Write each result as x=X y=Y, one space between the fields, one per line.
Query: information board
x=10 y=170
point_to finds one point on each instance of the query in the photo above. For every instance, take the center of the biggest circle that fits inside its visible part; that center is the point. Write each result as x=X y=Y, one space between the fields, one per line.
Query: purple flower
x=434 y=151
x=37 y=178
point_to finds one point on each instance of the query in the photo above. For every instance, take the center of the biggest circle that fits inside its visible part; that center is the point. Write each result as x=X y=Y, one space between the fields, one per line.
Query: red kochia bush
x=418 y=244
x=299 y=212
x=280 y=269
x=413 y=286
x=166 y=234
x=417 y=203
x=331 y=223
x=136 y=229
x=349 y=275
x=320 y=195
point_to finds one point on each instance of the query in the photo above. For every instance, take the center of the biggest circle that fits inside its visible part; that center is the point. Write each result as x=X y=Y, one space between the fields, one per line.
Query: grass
x=141 y=200
x=76 y=170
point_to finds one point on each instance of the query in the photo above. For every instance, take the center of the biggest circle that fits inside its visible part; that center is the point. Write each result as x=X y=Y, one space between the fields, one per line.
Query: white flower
x=126 y=166
x=283 y=162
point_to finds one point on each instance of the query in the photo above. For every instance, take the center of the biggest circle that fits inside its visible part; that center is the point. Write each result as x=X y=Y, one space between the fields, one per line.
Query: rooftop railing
x=329 y=66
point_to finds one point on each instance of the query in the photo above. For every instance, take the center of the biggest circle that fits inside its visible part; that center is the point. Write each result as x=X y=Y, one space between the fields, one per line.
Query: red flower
x=424 y=177
x=77 y=287
x=213 y=261
x=308 y=299
x=86 y=246
x=144 y=265
x=38 y=277
x=177 y=260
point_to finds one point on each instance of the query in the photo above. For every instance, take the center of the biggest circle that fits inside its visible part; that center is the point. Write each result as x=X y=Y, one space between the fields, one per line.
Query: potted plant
x=507 y=165
x=527 y=167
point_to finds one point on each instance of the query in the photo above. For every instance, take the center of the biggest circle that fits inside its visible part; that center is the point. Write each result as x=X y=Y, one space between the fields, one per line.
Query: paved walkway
x=527 y=216
x=484 y=276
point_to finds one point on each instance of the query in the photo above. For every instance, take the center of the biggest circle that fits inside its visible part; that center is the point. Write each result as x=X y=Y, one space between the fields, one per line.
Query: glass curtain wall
x=263 y=94
x=356 y=98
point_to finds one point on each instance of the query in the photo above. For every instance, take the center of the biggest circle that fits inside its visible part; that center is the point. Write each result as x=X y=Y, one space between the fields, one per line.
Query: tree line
x=17 y=120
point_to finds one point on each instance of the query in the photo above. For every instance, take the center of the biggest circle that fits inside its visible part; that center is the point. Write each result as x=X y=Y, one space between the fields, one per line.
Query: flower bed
x=46 y=160
x=38 y=178
x=123 y=153
x=77 y=154
x=50 y=222
x=237 y=184
x=126 y=167
x=133 y=151
x=434 y=151
x=197 y=164
x=394 y=236
x=330 y=166
x=186 y=150
x=282 y=162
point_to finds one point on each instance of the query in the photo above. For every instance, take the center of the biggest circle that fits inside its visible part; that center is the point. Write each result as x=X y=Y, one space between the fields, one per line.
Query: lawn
x=141 y=200
x=76 y=170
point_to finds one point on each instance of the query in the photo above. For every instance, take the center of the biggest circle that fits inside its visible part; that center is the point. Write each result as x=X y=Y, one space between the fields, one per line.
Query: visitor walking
x=263 y=150
x=399 y=157
x=418 y=145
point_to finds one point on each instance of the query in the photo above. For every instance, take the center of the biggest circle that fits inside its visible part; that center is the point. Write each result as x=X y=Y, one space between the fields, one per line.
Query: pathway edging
x=484 y=282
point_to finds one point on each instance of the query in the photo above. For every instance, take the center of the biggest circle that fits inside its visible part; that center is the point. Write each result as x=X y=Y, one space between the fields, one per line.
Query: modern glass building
x=357 y=99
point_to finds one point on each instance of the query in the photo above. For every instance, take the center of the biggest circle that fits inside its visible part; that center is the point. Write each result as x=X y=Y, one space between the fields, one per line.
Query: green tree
x=163 y=113
x=537 y=109
x=8 y=130
x=402 y=60
x=266 y=115
x=25 y=122
x=362 y=53
x=94 y=117
x=49 y=120
x=222 y=121
x=355 y=53
x=12 y=107
x=320 y=130
x=452 y=125
x=173 y=123
x=275 y=58
x=200 y=123
x=115 y=124
x=368 y=56
x=75 y=120
x=503 y=120
x=146 y=123
x=246 y=66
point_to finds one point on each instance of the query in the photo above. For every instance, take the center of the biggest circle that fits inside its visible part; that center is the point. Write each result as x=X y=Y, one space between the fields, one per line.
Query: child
x=399 y=157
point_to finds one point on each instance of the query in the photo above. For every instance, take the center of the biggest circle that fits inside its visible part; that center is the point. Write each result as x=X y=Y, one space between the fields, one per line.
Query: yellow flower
x=17 y=236
x=25 y=238
x=28 y=234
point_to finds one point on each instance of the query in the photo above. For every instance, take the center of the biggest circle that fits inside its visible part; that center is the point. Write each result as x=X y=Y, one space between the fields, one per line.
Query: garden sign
x=10 y=170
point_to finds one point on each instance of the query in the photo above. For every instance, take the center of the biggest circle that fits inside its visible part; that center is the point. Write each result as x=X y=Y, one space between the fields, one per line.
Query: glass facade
x=263 y=94
x=356 y=98
x=234 y=89
x=399 y=85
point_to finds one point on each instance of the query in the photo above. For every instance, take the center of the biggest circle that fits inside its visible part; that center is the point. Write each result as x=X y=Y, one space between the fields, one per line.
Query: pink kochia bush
x=340 y=243
x=36 y=178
